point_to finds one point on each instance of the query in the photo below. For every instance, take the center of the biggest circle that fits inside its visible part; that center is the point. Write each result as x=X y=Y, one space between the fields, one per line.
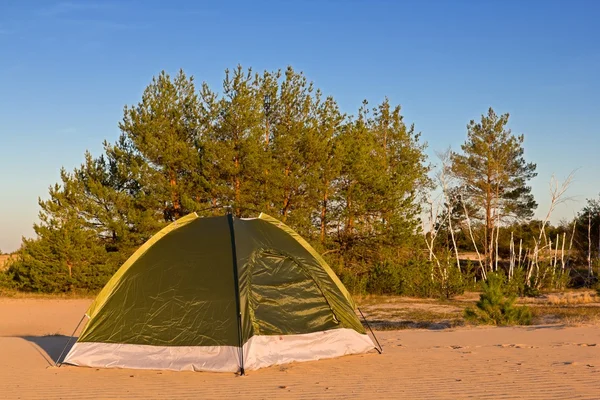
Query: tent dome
x=220 y=294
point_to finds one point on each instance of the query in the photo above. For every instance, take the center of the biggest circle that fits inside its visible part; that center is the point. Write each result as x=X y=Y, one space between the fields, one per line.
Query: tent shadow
x=51 y=346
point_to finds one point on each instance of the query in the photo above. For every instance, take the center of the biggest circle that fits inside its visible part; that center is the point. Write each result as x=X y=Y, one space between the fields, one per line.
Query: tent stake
x=379 y=348
x=69 y=341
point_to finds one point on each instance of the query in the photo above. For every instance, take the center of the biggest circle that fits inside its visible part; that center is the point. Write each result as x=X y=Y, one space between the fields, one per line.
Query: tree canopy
x=493 y=175
x=266 y=141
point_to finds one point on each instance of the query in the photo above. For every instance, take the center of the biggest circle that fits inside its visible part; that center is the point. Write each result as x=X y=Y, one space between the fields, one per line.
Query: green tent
x=220 y=294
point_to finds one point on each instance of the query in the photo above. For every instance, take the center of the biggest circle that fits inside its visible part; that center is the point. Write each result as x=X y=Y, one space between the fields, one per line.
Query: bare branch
x=473 y=239
x=557 y=197
x=444 y=176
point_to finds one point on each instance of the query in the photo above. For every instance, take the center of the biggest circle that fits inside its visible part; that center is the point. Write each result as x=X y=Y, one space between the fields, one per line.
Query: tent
x=220 y=294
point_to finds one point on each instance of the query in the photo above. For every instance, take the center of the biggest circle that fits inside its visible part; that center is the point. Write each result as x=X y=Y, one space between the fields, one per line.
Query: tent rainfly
x=220 y=294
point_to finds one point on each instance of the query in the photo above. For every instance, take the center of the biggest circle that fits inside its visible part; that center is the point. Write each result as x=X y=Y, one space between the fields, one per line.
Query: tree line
x=355 y=186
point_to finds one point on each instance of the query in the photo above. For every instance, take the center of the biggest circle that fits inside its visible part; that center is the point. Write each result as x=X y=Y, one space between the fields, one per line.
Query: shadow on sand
x=549 y=326
x=383 y=325
x=51 y=346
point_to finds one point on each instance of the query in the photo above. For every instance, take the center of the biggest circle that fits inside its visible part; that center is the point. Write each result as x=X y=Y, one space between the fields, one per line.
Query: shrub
x=384 y=278
x=6 y=280
x=415 y=278
x=562 y=280
x=516 y=285
x=418 y=277
x=355 y=283
x=52 y=276
x=531 y=290
x=454 y=281
x=494 y=307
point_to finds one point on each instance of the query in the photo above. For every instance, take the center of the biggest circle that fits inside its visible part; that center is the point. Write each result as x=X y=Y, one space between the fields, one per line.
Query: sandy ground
x=542 y=362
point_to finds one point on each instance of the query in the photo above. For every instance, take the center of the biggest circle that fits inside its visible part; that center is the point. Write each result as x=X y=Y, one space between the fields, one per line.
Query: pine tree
x=587 y=234
x=494 y=174
x=231 y=141
x=164 y=129
x=323 y=153
x=293 y=131
x=496 y=307
x=66 y=254
x=405 y=178
x=267 y=142
x=378 y=191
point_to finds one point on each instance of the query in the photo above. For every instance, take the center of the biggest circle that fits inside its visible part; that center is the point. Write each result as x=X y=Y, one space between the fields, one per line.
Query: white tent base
x=258 y=352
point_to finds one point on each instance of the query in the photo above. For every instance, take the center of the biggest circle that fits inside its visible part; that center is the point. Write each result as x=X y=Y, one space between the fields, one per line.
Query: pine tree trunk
x=324 y=213
x=236 y=185
x=590 y=271
x=488 y=228
x=174 y=195
x=286 y=195
x=385 y=147
x=497 y=225
x=267 y=129
x=266 y=185
x=286 y=205
x=350 y=223
x=599 y=249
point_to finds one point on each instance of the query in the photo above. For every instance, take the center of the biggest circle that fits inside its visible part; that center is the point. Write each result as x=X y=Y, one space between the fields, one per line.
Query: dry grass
x=571 y=298
x=395 y=312
x=572 y=308
x=15 y=294
x=569 y=315
x=376 y=299
x=423 y=318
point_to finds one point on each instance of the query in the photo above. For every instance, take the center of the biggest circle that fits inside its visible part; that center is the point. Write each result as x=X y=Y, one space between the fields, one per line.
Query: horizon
x=73 y=66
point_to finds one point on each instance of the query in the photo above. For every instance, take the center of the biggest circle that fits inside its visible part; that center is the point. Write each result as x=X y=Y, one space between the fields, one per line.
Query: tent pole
x=69 y=341
x=237 y=290
x=379 y=348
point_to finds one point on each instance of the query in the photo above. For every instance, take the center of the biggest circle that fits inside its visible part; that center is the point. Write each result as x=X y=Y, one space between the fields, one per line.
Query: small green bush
x=562 y=280
x=418 y=277
x=454 y=282
x=384 y=278
x=6 y=280
x=356 y=283
x=531 y=291
x=516 y=285
x=415 y=278
x=494 y=307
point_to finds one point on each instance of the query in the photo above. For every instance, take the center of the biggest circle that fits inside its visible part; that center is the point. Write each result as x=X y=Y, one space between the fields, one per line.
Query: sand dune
x=542 y=362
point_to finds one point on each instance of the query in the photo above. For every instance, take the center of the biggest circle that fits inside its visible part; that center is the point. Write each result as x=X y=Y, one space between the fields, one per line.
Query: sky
x=67 y=69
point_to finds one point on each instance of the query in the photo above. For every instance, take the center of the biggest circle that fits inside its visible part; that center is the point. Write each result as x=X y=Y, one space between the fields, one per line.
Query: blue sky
x=68 y=68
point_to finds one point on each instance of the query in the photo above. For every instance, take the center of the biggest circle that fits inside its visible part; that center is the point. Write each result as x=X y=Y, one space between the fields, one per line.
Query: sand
x=540 y=362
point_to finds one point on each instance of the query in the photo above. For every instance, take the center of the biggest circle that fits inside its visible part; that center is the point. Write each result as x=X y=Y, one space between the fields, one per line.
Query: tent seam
x=236 y=282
